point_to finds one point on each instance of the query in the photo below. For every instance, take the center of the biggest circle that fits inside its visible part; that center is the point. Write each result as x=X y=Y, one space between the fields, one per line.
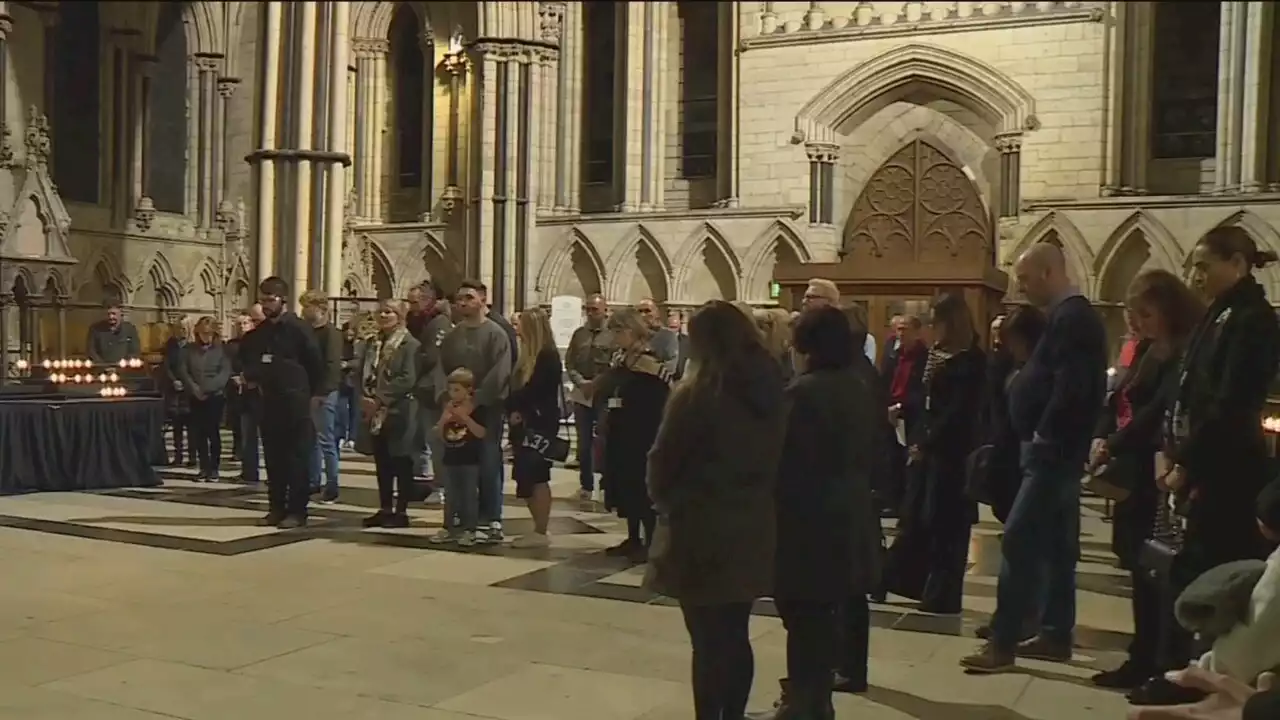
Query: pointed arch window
x=77 y=105
x=409 y=93
x=1185 y=87
x=600 y=22
x=699 y=87
x=168 y=131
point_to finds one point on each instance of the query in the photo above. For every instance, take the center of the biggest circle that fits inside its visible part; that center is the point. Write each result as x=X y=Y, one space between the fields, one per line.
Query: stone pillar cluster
x=371 y=119
x=822 y=163
x=1009 y=145
x=1244 y=98
x=304 y=148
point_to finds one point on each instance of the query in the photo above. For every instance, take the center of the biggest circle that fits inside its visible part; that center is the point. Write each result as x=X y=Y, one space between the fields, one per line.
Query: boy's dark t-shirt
x=461 y=446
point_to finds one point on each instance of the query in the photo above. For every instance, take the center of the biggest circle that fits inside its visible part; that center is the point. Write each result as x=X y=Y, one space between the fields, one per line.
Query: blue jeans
x=461 y=497
x=346 y=414
x=250 y=452
x=428 y=461
x=325 y=449
x=584 y=421
x=491 y=478
x=1040 y=549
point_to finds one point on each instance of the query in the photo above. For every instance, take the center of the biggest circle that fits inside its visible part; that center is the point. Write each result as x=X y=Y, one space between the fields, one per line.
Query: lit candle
x=123 y=363
x=113 y=378
x=47 y=363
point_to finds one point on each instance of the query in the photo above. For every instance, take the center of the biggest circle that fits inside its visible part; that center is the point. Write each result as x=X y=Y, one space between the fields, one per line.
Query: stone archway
x=920 y=206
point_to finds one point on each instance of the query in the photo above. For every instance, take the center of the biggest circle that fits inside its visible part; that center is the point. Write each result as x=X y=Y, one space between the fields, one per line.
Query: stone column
x=551 y=19
x=426 y=188
x=206 y=103
x=6 y=301
x=1132 y=122
x=304 y=116
x=370 y=120
x=144 y=210
x=6 y=27
x=264 y=234
x=822 y=159
x=226 y=88
x=120 y=171
x=630 y=137
x=568 y=126
x=455 y=66
x=336 y=186
x=1010 y=147
x=1231 y=70
x=379 y=115
x=1258 y=79
x=727 y=114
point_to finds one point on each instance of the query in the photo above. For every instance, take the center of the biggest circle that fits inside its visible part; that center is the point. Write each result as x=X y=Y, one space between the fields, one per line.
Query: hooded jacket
x=711 y=476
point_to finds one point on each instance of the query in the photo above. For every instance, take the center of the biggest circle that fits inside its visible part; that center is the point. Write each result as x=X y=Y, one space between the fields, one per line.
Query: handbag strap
x=1168 y=525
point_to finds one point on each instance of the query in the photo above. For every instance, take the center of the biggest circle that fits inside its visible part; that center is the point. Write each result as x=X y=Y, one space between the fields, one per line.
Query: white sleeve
x=1252 y=649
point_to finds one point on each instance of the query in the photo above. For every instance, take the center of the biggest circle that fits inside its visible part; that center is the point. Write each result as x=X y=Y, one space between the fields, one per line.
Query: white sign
x=566 y=316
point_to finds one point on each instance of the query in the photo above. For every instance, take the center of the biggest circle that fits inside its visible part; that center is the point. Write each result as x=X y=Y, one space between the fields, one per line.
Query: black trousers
x=723 y=664
x=178 y=426
x=395 y=477
x=205 y=424
x=854 y=648
x=812 y=636
x=1148 y=616
x=286 y=445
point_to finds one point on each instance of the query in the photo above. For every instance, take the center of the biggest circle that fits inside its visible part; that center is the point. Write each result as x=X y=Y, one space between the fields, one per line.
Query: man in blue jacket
x=1053 y=404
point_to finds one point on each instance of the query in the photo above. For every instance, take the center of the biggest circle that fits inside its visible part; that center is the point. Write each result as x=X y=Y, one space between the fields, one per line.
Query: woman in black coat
x=931 y=552
x=1213 y=428
x=630 y=396
x=1164 y=312
x=828 y=525
x=1016 y=337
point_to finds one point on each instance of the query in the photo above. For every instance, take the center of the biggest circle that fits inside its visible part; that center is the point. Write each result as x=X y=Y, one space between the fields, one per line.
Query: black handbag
x=1161 y=550
x=978 y=479
x=552 y=449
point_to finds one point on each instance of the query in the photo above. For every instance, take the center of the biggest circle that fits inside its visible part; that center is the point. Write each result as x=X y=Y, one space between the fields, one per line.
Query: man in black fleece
x=1053 y=404
x=324 y=455
x=281 y=358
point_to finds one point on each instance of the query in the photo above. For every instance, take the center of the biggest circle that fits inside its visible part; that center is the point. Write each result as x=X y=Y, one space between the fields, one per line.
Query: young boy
x=463 y=436
x=1252 y=648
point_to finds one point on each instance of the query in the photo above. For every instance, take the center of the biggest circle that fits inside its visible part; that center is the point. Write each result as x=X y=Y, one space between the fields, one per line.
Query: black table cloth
x=61 y=445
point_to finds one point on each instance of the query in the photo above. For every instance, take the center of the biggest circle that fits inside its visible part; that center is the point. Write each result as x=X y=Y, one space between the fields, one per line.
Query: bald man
x=663 y=342
x=1054 y=402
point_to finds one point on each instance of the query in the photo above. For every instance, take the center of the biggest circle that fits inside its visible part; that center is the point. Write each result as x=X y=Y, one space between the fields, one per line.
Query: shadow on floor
x=922 y=709
x=168 y=521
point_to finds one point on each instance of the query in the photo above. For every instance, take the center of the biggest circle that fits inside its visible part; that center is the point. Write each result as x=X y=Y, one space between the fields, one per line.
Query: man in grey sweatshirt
x=663 y=343
x=429 y=321
x=481 y=346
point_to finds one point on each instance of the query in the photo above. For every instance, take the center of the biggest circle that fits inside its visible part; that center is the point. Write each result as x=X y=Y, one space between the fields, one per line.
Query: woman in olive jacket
x=711 y=475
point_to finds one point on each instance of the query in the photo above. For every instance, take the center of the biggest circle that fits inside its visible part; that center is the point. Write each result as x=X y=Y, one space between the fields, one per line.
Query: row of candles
x=77 y=364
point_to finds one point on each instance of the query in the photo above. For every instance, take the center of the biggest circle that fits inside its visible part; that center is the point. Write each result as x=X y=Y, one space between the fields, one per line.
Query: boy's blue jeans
x=461 y=497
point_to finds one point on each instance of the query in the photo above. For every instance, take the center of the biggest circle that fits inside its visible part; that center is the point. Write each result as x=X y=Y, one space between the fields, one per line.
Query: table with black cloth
x=79 y=444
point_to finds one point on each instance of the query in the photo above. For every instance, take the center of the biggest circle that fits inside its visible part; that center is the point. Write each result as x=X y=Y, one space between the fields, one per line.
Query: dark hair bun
x=1263 y=258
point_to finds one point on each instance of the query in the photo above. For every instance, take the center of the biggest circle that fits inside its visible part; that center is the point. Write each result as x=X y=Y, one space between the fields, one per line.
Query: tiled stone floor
x=169 y=603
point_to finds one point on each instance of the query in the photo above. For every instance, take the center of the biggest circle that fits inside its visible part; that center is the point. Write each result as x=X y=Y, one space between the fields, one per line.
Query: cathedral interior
x=167 y=156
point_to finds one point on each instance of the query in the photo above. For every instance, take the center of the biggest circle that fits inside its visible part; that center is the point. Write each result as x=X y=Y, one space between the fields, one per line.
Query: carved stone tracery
x=920 y=206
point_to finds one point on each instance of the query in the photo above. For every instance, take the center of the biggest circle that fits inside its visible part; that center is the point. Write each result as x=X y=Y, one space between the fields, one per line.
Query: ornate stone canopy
x=34 y=223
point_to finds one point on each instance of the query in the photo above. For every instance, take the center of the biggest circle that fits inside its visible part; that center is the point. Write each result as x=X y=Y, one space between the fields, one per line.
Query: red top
x=1124 y=409
x=907 y=358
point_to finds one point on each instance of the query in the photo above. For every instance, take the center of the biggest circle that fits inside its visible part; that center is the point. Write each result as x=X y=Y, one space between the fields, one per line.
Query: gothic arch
x=384 y=275
x=560 y=259
x=205 y=278
x=778 y=233
x=993 y=95
x=104 y=267
x=202 y=24
x=706 y=235
x=623 y=266
x=159 y=273
x=1164 y=246
x=1079 y=257
x=1263 y=233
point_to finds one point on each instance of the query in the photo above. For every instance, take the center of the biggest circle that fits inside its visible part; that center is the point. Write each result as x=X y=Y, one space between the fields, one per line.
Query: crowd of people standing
x=754 y=454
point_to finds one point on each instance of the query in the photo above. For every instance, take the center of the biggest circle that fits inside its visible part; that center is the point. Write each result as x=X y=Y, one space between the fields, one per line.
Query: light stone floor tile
x=184 y=637
x=631 y=577
x=548 y=692
x=30 y=703
x=30 y=661
x=463 y=567
x=196 y=522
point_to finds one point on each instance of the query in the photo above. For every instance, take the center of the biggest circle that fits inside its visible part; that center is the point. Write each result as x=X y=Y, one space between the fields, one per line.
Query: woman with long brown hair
x=712 y=474
x=1163 y=312
x=533 y=414
x=928 y=557
x=204 y=369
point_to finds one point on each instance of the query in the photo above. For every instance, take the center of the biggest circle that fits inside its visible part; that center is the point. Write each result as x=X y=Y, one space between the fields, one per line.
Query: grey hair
x=630 y=319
